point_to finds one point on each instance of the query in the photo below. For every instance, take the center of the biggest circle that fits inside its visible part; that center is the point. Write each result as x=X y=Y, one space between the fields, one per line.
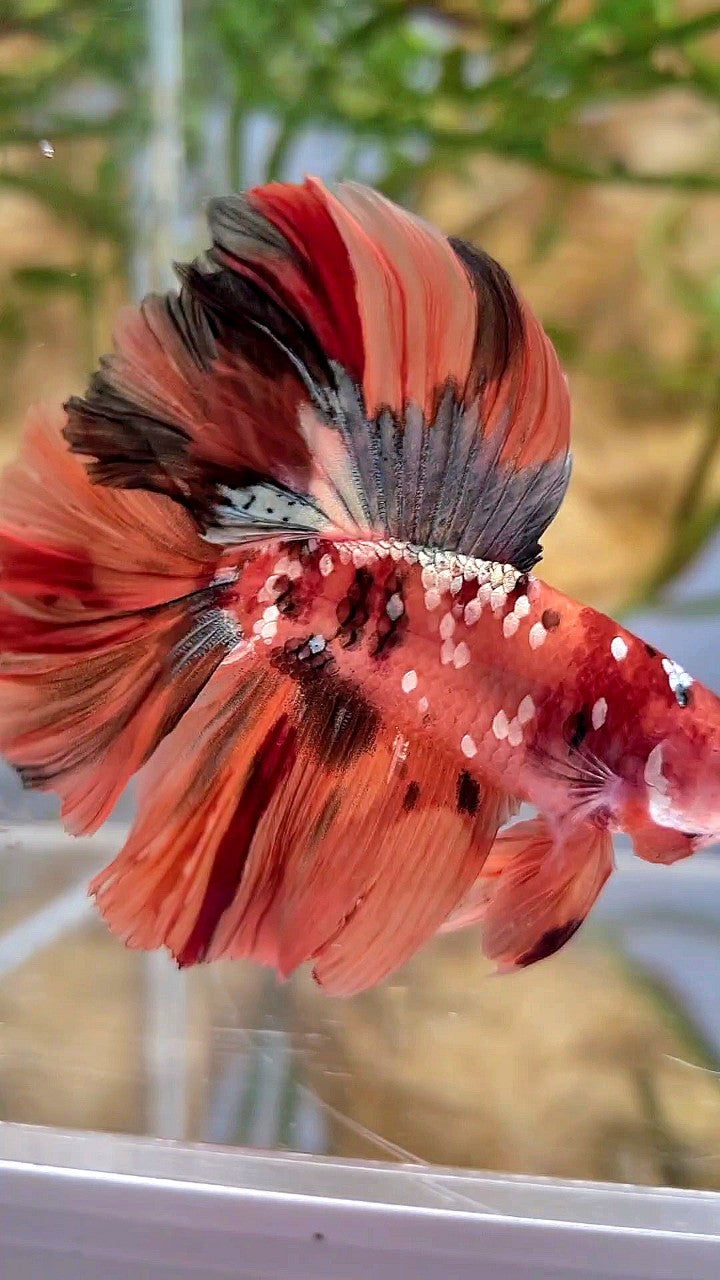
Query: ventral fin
x=663 y=844
x=535 y=890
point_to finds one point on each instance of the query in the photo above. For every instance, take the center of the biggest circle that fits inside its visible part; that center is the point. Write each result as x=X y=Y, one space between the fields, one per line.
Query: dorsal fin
x=336 y=365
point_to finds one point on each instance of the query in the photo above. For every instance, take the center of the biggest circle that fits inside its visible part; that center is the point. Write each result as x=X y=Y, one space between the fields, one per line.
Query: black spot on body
x=650 y=651
x=412 y=795
x=350 y=639
x=683 y=695
x=287 y=598
x=468 y=793
x=549 y=943
x=577 y=727
x=550 y=619
x=353 y=610
x=302 y=657
x=340 y=723
x=389 y=631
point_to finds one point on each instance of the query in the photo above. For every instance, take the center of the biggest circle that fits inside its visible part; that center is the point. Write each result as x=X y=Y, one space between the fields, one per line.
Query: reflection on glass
x=598 y=1063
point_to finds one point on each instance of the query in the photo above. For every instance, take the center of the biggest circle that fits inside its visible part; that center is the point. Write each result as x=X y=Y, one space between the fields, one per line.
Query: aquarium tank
x=578 y=142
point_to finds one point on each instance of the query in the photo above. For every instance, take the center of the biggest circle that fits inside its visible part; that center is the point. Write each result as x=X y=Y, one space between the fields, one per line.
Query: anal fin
x=258 y=837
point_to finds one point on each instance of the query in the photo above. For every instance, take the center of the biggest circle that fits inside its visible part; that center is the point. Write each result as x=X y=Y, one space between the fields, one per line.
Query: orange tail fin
x=110 y=624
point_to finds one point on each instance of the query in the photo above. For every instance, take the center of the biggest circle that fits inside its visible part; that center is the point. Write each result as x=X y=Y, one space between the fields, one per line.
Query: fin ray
x=535 y=890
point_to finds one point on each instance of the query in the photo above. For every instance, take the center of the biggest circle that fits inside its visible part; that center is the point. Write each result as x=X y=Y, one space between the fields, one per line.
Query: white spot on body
x=461 y=656
x=400 y=752
x=456 y=584
x=423 y=705
x=537 y=635
x=515 y=733
x=447 y=626
x=484 y=593
x=661 y=810
x=653 y=773
x=619 y=649
x=497 y=598
x=678 y=679
x=500 y=726
x=432 y=599
x=510 y=625
x=447 y=651
x=409 y=681
x=316 y=644
x=271 y=613
x=428 y=577
x=599 y=713
x=522 y=607
x=326 y=566
x=526 y=710
x=473 y=611
x=394 y=608
x=467 y=746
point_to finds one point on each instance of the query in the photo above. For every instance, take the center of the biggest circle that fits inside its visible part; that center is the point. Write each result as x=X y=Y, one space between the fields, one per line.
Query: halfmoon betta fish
x=279 y=560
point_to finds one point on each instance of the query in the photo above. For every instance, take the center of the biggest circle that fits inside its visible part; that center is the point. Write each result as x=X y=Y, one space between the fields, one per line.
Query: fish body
x=549 y=699
x=279 y=563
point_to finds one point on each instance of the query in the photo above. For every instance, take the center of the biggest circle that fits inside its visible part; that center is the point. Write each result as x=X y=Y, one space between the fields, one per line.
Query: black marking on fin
x=411 y=797
x=468 y=793
x=272 y=762
x=549 y=943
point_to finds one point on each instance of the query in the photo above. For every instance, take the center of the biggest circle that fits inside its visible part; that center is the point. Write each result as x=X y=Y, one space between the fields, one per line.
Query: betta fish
x=279 y=561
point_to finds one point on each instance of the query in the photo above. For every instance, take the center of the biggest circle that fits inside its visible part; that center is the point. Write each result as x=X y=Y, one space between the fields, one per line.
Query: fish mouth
x=704 y=839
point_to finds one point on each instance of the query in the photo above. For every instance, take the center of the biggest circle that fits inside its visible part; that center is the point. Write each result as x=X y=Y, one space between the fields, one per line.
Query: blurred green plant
x=404 y=91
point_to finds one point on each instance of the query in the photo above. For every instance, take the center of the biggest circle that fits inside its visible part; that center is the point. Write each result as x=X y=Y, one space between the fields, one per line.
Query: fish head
x=678 y=808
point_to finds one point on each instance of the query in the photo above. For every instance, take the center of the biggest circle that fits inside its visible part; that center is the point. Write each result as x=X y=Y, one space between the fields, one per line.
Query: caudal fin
x=111 y=621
